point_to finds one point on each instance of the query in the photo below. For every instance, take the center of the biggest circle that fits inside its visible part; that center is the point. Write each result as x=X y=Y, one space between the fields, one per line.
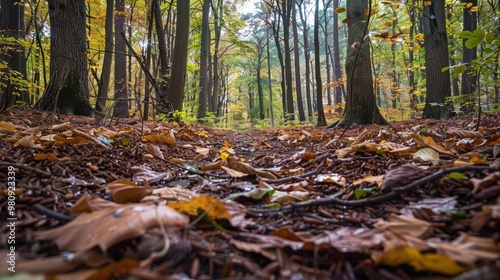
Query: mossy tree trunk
x=67 y=90
x=361 y=107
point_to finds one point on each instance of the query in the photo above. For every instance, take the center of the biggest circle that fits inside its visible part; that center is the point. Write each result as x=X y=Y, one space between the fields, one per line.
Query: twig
x=25 y=167
x=383 y=197
x=52 y=214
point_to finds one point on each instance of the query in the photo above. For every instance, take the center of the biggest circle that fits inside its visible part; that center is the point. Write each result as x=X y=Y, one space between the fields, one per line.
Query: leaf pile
x=168 y=201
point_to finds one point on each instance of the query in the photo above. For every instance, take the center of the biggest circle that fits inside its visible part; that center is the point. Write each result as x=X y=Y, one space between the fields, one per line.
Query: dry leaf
x=397 y=175
x=124 y=191
x=215 y=208
x=107 y=227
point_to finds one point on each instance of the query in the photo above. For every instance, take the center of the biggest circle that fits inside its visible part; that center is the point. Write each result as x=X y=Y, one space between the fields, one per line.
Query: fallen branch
x=25 y=167
x=52 y=214
x=380 y=198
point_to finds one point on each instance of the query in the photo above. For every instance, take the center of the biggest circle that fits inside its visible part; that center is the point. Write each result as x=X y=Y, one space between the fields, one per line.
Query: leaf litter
x=417 y=199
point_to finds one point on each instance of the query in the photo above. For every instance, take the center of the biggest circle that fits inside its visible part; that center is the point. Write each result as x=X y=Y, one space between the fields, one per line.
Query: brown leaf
x=247 y=169
x=107 y=227
x=462 y=133
x=88 y=203
x=398 y=175
x=124 y=191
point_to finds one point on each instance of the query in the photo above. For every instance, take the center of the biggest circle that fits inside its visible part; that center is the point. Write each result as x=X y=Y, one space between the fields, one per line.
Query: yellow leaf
x=398 y=256
x=468 y=5
x=264 y=145
x=421 y=262
x=340 y=10
x=474 y=9
x=437 y=263
x=161 y=138
x=215 y=208
x=62 y=126
x=224 y=156
x=427 y=3
x=7 y=127
x=49 y=157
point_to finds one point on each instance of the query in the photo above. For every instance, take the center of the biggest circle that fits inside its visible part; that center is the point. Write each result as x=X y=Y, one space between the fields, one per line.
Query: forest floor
x=417 y=199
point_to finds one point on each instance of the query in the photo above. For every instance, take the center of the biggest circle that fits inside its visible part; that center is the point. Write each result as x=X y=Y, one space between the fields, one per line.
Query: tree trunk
x=436 y=57
x=298 y=86
x=337 y=70
x=102 y=94
x=67 y=89
x=468 y=55
x=361 y=107
x=214 y=96
x=162 y=49
x=205 y=44
x=286 y=8
x=121 y=96
x=317 y=67
x=176 y=91
x=269 y=85
x=327 y=50
x=12 y=25
x=307 y=57
x=259 y=79
x=276 y=32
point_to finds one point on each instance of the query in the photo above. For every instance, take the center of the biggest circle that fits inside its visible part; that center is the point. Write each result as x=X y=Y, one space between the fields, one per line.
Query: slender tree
x=296 y=58
x=67 y=91
x=162 y=49
x=438 y=85
x=121 y=96
x=286 y=6
x=469 y=54
x=307 y=55
x=337 y=70
x=205 y=49
x=317 y=68
x=178 y=78
x=269 y=84
x=12 y=25
x=102 y=94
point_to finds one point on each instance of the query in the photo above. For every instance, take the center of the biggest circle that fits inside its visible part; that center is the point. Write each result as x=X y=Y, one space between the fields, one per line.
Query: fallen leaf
x=421 y=262
x=215 y=208
x=107 y=227
x=124 y=190
x=427 y=154
x=397 y=175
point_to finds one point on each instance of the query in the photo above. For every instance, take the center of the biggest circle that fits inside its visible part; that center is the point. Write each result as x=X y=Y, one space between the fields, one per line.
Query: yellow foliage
x=215 y=208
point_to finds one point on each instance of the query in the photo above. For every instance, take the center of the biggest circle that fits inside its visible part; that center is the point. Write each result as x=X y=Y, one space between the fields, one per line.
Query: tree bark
x=296 y=56
x=361 y=107
x=121 y=95
x=67 y=91
x=438 y=85
x=307 y=57
x=286 y=8
x=162 y=49
x=205 y=44
x=12 y=25
x=178 y=78
x=337 y=70
x=102 y=94
x=317 y=67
